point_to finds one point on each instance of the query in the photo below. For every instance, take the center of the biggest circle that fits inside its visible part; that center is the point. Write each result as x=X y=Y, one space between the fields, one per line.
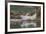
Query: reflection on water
x=18 y=23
